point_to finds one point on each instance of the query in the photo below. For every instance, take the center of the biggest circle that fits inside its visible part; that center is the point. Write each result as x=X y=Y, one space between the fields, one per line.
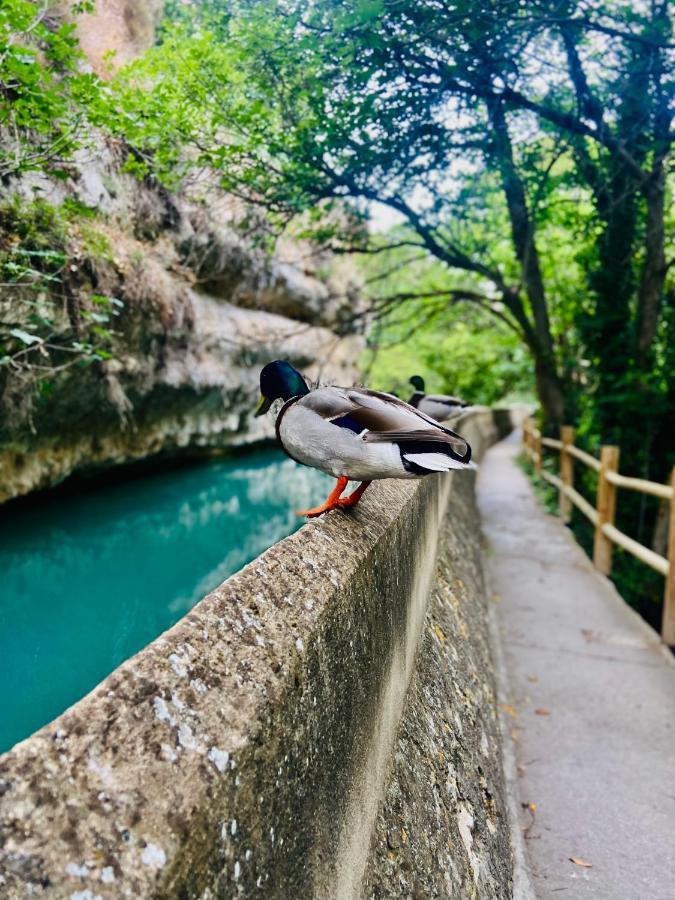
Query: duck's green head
x=279 y=380
x=417 y=382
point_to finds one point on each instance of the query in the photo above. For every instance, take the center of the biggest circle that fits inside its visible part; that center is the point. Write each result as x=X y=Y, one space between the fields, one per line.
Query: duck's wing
x=379 y=418
x=444 y=399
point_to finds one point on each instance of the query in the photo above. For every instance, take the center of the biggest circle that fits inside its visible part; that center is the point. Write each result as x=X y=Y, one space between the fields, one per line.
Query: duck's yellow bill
x=263 y=405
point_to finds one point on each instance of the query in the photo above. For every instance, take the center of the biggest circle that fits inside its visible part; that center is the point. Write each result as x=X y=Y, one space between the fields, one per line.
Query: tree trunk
x=653 y=274
x=550 y=389
x=550 y=392
x=522 y=226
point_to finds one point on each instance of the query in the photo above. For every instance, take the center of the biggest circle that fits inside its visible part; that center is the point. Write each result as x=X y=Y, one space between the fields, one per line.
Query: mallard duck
x=438 y=406
x=355 y=434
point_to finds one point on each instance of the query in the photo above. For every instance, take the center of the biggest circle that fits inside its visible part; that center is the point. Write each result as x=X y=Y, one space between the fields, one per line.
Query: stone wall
x=440 y=832
x=248 y=751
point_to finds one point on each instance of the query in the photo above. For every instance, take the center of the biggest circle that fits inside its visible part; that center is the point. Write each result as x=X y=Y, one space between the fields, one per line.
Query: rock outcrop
x=185 y=359
x=116 y=31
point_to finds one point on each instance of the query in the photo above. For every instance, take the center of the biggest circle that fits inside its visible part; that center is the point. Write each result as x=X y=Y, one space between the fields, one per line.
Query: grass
x=545 y=493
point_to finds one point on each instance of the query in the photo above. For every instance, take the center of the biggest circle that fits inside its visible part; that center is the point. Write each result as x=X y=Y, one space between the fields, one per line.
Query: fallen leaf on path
x=508 y=709
x=532 y=809
x=439 y=634
x=542 y=712
x=581 y=862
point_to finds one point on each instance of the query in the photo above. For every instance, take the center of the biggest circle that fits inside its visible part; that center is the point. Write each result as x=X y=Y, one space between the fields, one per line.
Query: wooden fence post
x=528 y=437
x=538 y=460
x=606 y=508
x=668 y=620
x=566 y=471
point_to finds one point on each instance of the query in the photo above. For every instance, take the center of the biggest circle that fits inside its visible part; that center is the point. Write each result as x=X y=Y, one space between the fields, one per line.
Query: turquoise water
x=87 y=580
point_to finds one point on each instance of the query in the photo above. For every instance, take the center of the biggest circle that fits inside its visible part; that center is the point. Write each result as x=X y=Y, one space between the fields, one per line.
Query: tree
x=459 y=348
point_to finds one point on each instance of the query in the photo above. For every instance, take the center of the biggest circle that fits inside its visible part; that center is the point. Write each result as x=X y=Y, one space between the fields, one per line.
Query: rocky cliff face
x=188 y=382
x=116 y=32
x=198 y=308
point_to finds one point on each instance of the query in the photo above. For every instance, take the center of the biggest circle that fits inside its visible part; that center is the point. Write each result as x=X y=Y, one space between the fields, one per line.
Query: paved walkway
x=588 y=699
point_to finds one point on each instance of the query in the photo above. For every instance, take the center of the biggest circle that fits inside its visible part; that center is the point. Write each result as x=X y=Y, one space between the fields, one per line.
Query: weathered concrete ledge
x=441 y=831
x=246 y=752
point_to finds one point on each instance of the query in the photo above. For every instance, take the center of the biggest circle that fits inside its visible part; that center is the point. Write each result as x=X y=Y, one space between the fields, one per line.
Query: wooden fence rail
x=603 y=514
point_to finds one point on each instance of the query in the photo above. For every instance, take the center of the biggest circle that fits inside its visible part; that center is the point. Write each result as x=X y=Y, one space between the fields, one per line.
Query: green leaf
x=24 y=336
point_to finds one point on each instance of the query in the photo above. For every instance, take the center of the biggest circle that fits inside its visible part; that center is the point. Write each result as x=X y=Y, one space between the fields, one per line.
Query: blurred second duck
x=355 y=434
x=438 y=406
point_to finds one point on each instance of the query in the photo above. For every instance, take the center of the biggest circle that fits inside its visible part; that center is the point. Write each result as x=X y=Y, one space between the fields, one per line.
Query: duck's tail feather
x=421 y=463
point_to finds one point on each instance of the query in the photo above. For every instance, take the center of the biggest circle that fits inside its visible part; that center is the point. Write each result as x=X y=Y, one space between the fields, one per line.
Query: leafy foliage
x=49 y=320
x=452 y=343
x=45 y=92
x=456 y=354
x=47 y=324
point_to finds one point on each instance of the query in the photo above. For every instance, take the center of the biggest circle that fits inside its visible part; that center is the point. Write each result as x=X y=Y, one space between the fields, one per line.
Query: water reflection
x=88 y=580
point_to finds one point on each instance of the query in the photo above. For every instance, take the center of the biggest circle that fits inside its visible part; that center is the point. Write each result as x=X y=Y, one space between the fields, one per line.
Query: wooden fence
x=602 y=515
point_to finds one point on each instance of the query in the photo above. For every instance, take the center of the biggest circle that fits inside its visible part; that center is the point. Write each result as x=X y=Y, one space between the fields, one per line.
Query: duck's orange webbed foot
x=333 y=501
x=354 y=497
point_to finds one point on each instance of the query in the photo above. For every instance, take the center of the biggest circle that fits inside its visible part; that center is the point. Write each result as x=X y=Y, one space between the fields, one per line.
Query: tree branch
x=589 y=25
